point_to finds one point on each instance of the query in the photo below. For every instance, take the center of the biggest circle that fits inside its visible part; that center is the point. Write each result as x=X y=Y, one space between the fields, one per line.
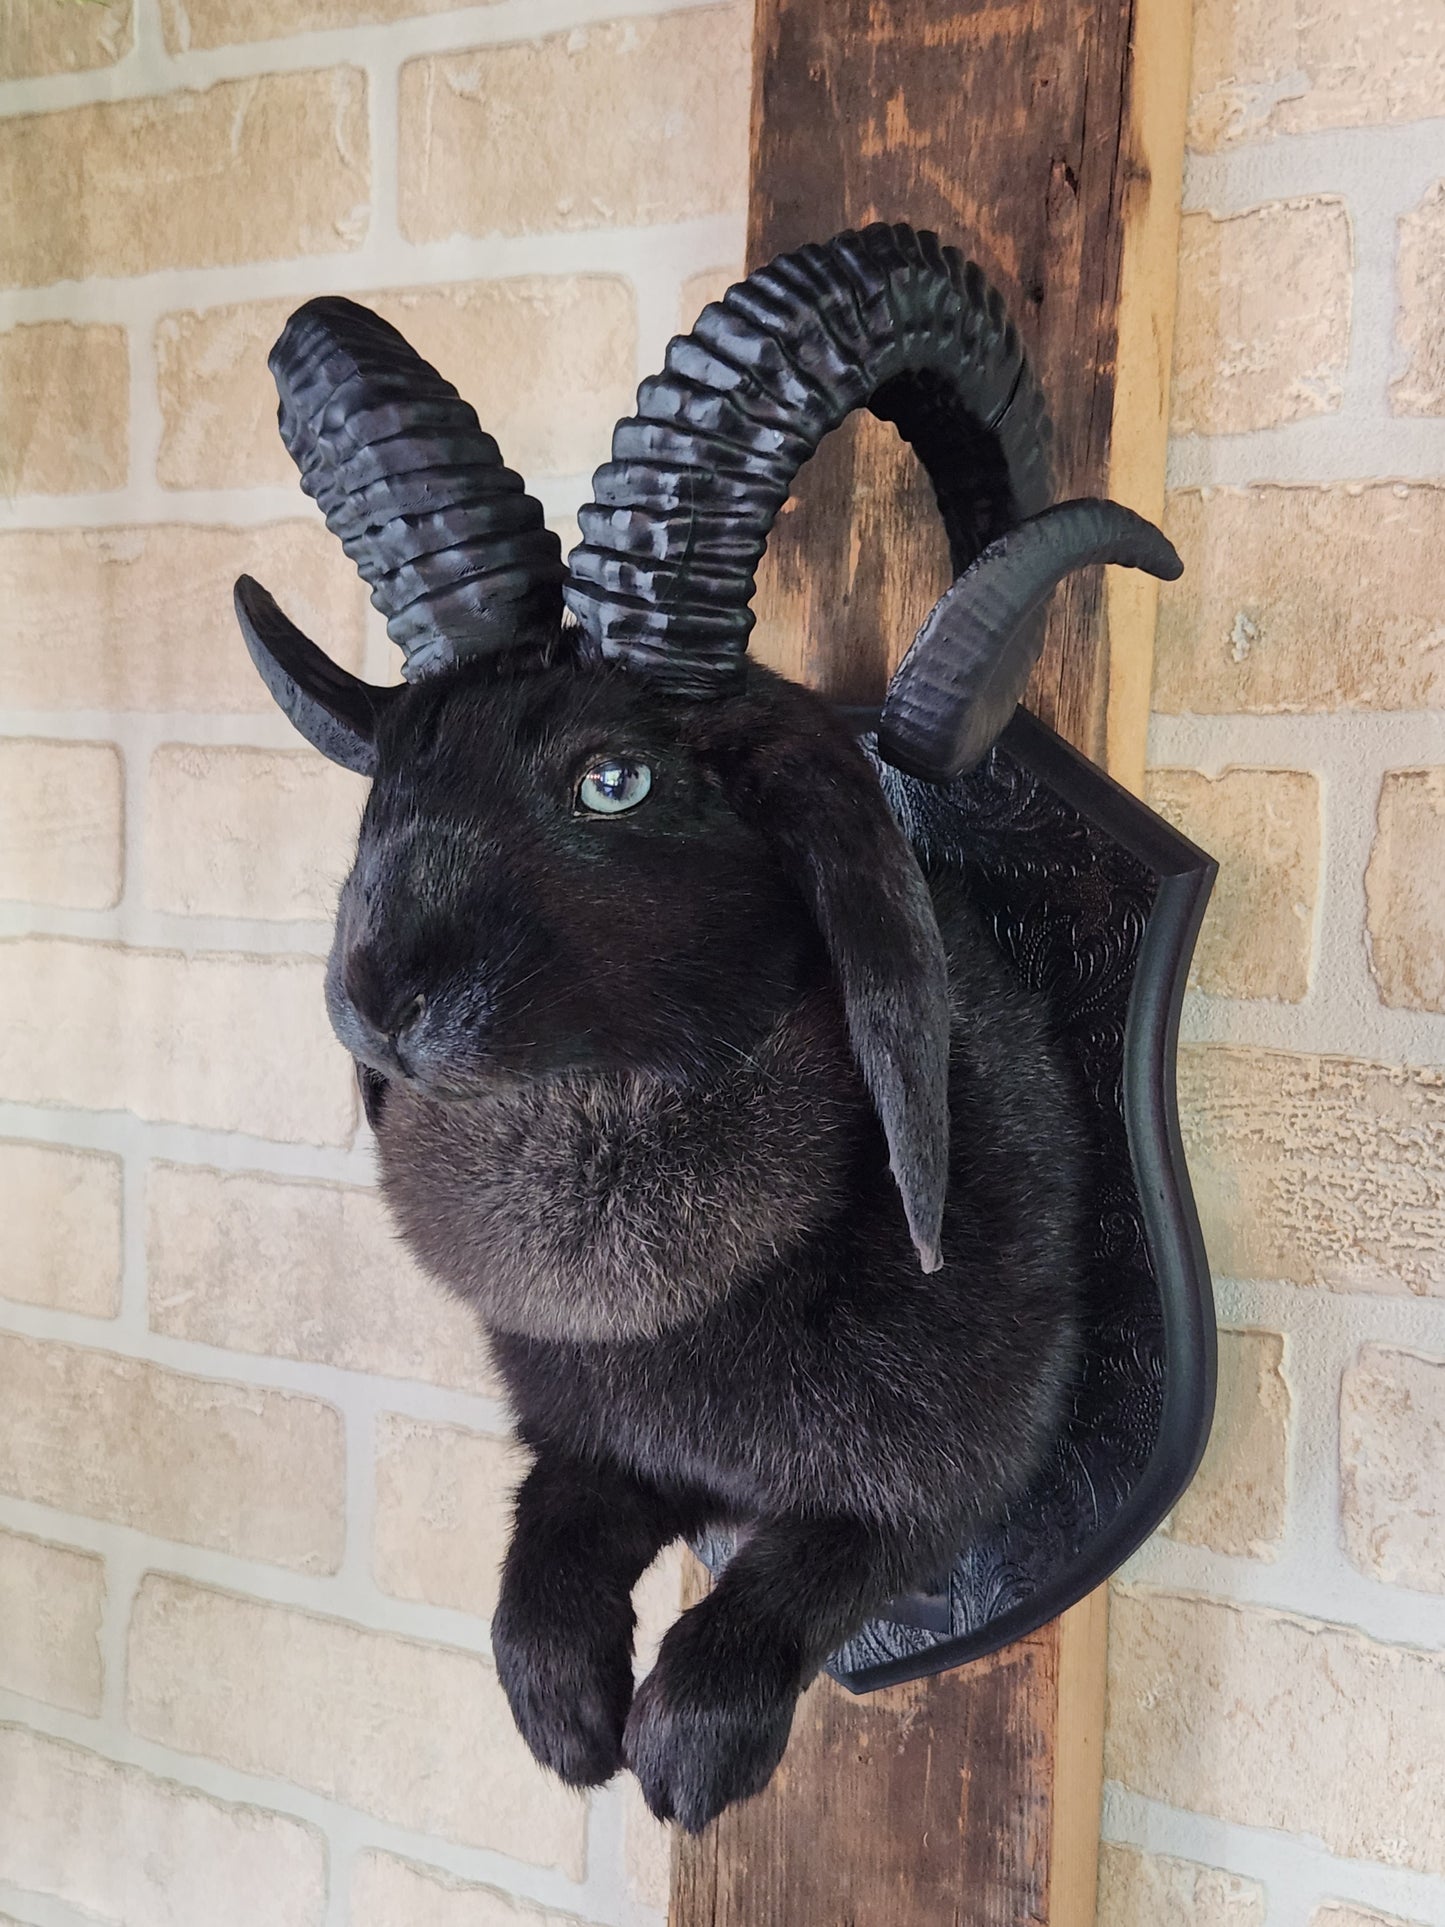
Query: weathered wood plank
x=1001 y=124
x=1148 y=286
x=901 y=1806
x=1044 y=137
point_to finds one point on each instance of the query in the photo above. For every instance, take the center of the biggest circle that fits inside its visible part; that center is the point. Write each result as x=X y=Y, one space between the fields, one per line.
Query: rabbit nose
x=403 y=1026
x=376 y=1003
x=404 y=1020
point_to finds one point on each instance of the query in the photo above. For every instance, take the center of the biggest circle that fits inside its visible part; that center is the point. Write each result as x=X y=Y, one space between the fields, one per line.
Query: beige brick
x=306 y=1271
x=1392 y=1466
x=1421 y=325
x=68 y=39
x=1296 y=66
x=1263 y=330
x=141 y=618
x=1152 y=1890
x=64 y=398
x=192 y=24
x=238 y=1469
x=443 y=1512
x=51 y=1598
x=1304 y=598
x=616 y=125
x=548 y=361
x=647 y=1851
x=386 y=1892
x=1273 y=1721
x=187 y=180
x=221 y=836
x=657 y=1601
x=1334 y=1915
x=61 y=823
x=226 y=1043
x=1317 y=1170
x=711 y=285
x=1237 y=1501
x=1405 y=890
x=119 y=1845
x=416 y=1735
x=61 y=1212
x=1263 y=825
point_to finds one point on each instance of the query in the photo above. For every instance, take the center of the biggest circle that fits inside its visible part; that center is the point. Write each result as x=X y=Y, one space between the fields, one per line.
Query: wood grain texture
x=1157 y=105
x=1044 y=138
x=967 y=1800
x=1003 y=125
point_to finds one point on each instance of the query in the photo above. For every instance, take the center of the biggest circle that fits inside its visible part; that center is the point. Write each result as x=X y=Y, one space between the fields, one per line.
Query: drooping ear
x=335 y=711
x=819 y=803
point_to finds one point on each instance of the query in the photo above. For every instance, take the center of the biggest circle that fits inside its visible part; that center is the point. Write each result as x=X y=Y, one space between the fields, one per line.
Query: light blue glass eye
x=611 y=787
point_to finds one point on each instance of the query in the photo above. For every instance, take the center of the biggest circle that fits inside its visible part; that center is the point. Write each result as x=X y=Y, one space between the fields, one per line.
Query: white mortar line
x=149 y=71
x=149 y=62
x=1389 y=738
x=382 y=260
x=39 y=1910
x=120 y=1131
x=345 y=1598
x=141 y=929
x=126 y=1560
x=140 y=732
x=1327 y=448
x=607 y=1860
x=363 y=1393
x=1298 y=1872
x=1380 y=170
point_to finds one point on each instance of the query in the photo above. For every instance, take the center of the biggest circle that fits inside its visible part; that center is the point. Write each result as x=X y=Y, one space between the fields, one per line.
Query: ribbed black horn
x=886 y=318
x=335 y=711
x=965 y=674
x=455 y=550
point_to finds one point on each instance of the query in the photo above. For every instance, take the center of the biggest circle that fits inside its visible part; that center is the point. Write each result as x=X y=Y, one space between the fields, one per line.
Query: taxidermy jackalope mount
x=719 y=1100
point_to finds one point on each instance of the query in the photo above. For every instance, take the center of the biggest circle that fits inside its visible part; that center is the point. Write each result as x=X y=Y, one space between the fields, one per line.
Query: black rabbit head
x=608 y=842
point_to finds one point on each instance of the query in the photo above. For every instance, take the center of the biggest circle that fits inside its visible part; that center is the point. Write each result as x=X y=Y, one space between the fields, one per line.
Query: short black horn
x=965 y=674
x=886 y=318
x=456 y=552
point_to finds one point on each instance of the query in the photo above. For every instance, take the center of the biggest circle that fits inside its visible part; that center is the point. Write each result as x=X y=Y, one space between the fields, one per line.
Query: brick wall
x=253 y=1467
x=253 y=1471
x=1276 y=1746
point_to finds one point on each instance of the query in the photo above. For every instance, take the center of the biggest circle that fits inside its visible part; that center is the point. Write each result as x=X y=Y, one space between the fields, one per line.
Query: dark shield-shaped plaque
x=1097 y=902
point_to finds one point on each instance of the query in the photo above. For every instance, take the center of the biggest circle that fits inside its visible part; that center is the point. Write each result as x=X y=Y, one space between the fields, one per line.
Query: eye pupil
x=614 y=785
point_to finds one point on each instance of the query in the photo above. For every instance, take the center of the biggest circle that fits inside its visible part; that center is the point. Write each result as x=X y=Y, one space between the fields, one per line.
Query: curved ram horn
x=455 y=550
x=963 y=677
x=886 y=318
x=335 y=711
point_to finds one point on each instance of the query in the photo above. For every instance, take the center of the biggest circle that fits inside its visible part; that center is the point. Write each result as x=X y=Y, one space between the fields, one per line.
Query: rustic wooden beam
x=1157 y=106
x=1044 y=137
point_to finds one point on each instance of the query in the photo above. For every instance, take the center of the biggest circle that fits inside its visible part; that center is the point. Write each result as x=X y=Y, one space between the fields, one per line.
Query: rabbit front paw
x=700 y=1736
x=569 y=1692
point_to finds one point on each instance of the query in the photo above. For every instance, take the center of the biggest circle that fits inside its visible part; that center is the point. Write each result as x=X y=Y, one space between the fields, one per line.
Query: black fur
x=636 y=1082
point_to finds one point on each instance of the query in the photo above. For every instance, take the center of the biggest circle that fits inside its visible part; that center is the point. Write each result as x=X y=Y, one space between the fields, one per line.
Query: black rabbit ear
x=335 y=711
x=822 y=809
